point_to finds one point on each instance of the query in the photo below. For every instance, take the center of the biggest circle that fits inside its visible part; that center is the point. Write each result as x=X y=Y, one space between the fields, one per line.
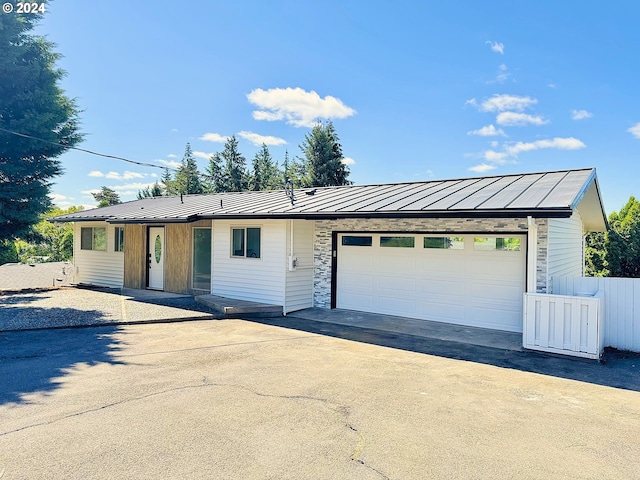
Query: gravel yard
x=70 y=307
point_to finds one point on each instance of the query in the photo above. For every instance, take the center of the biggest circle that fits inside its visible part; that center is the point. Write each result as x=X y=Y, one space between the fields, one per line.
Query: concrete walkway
x=483 y=337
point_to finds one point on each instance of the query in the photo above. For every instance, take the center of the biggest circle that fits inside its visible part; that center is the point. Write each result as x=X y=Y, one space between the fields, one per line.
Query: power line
x=114 y=157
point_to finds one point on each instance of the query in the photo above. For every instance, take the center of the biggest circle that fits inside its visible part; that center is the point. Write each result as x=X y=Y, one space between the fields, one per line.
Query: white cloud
x=172 y=155
x=495 y=157
x=96 y=173
x=580 y=114
x=483 y=167
x=258 y=139
x=213 y=137
x=635 y=130
x=496 y=47
x=169 y=163
x=296 y=106
x=569 y=143
x=515 y=119
x=502 y=103
x=204 y=155
x=131 y=188
x=494 y=144
x=124 y=176
x=488 y=131
x=503 y=74
x=348 y=161
x=89 y=192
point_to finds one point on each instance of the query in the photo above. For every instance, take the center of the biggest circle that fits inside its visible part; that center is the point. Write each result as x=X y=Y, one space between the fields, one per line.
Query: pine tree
x=153 y=191
x=168 y=183
x=215 y=181
x=323 y=157
x=31 y=103
x=235 y=174
x=266 y=175
x=187 y=178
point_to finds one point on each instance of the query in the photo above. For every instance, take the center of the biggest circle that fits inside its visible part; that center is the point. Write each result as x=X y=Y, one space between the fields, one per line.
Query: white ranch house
x=461 y=251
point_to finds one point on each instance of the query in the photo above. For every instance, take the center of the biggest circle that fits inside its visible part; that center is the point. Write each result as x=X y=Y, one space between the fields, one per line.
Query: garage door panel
x=465 y=286
x=405 y=264
x=397 y=284
x=441 y=286
x=358 y=282
x=441 y=312
x=387 y=304
x=356 y=301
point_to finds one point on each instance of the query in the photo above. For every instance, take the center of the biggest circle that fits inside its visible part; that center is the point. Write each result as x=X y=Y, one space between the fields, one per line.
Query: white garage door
x=475 y=280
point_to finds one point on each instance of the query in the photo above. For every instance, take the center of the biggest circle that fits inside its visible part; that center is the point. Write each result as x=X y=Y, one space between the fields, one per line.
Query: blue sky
x=416 y=90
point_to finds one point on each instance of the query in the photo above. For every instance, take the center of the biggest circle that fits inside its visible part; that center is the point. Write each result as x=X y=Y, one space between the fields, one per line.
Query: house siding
x=135 y=250
x=324 y=228
x=299 y=282
x=259 y=280
x=178 y=258
x=104 y=268
x=565 y=256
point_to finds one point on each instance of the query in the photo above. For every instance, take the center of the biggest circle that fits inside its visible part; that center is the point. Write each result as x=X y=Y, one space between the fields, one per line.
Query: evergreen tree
x=31 y=103
x=294 y=171
x=265 y=175
x=187 y=178
x=168 y=183
x=153 y=191
x=215 y=179
x=234 y=173
x=323 y=157
x=106 y=196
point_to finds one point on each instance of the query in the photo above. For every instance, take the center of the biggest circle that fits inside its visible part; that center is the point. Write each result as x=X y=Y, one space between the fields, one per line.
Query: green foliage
x=622 y=243
x=295 y=171
x=48 y=242
x=168 y=184
x=323 y=158
x=32 y=103
x=594 y=255
x=215 y=179
x=235 y=178
x=8 y=252
x=265 y=175
x=187 y=179
x=154 y=191
x=106 y=196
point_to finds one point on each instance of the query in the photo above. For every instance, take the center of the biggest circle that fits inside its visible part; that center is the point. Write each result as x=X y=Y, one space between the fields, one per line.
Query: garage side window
x=450 y=243
x=93 y=238
x=357 y=241
x=246 y=242
x=401 y=242
x=497 y=243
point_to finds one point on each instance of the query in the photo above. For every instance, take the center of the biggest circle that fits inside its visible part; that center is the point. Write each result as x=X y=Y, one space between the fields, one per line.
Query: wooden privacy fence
x=621 y=306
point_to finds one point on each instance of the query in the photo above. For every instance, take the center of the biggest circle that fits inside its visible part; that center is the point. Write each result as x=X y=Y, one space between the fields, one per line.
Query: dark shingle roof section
x=547 y=193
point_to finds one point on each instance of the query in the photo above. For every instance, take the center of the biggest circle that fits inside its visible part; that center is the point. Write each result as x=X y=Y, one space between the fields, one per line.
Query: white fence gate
x=621 y=306
x=570 y=325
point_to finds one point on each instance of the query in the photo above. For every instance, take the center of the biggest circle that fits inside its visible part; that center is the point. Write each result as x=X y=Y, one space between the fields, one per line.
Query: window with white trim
x=93 y=238
x=246 y=242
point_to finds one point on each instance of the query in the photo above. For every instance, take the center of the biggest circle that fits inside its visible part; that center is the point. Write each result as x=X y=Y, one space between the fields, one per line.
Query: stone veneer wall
x=324 y=228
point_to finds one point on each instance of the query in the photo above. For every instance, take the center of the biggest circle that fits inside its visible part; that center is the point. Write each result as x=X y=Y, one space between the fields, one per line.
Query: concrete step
x=232 y=306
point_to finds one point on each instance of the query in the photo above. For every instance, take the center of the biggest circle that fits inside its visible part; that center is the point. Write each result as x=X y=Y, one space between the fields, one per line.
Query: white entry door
x=475 y=280
x=155 y=260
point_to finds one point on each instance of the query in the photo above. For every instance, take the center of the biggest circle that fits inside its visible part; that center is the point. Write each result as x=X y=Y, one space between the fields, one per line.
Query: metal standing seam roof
x=537 y=194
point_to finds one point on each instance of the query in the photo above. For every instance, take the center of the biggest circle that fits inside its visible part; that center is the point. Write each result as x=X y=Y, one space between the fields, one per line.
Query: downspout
x=532 y=255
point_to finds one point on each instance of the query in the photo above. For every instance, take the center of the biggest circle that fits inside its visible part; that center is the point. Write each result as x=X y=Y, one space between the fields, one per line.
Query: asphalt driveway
x=240 y=399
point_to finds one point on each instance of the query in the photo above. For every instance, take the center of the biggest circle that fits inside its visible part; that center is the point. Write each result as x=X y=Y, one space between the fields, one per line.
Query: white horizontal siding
x=96 y=267
x=258 y=280
x=565 y=243
x=299 y=282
